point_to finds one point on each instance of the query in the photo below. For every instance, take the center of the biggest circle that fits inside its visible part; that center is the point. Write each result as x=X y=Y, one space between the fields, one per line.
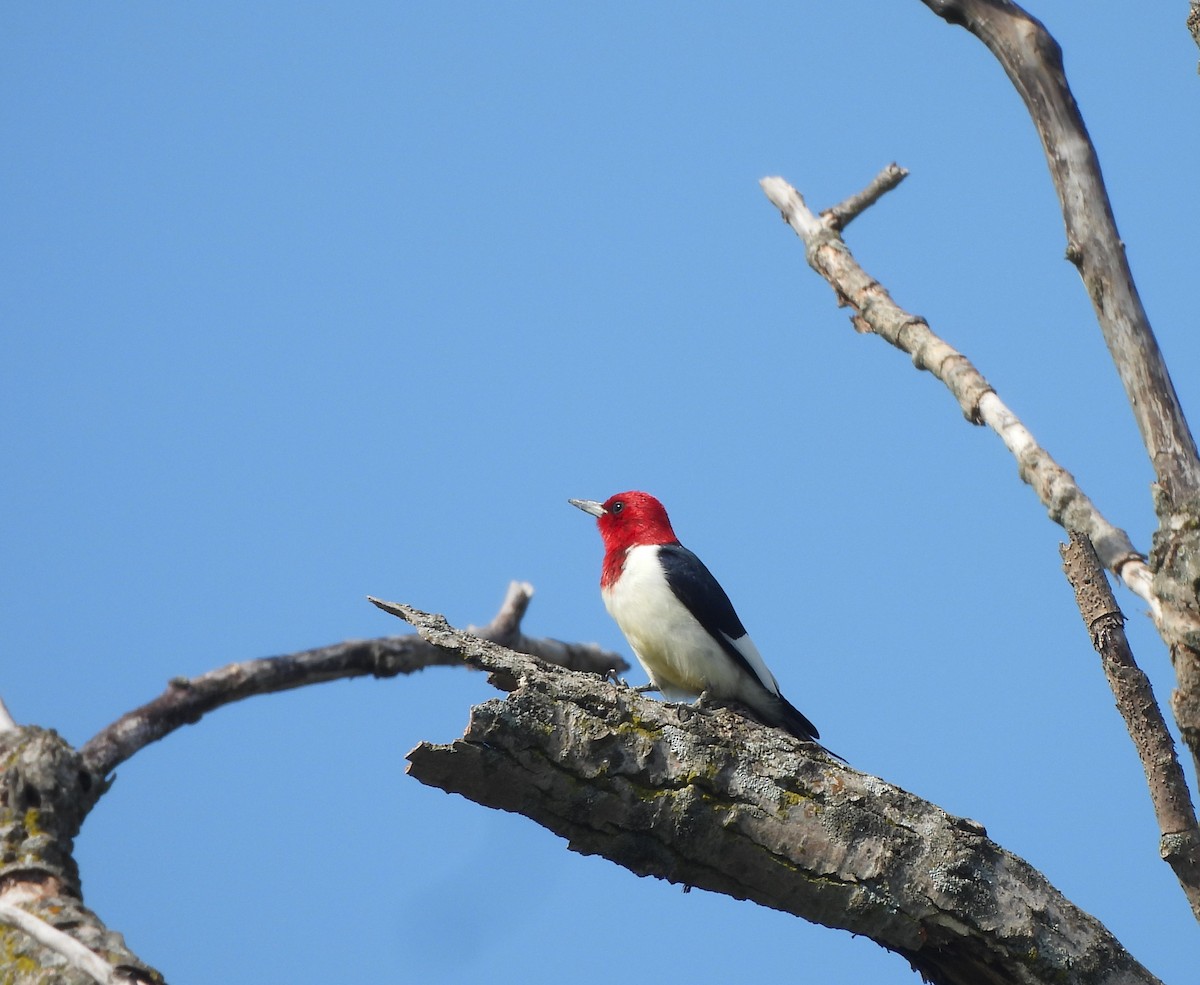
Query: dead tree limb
x=876 y=312
x=45 y=793
x=1179 y=842
x=186 y=700
x=74 y=954
x=1033 y=61
x=47 y=788
x=711 y=800
x=842 y=214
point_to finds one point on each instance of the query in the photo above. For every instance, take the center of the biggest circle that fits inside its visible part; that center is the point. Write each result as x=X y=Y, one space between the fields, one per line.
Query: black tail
x=794 y=721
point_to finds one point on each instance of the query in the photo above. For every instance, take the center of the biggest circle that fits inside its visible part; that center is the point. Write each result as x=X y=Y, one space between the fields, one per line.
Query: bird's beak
x=588 y=506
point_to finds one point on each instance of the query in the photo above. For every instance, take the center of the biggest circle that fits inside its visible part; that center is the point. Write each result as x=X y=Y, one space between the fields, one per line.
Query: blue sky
x=310 y=302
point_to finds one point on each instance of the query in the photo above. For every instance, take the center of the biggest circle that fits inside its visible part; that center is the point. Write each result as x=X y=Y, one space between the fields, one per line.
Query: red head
x=627 y=520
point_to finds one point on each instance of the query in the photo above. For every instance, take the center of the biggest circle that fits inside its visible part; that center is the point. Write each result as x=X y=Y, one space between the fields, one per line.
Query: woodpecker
x=676 y=616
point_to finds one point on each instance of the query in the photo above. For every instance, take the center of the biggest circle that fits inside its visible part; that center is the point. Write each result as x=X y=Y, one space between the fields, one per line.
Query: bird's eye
x=618 y=506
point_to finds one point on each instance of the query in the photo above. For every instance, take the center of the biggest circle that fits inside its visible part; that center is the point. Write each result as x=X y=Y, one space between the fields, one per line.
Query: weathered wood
x=712 y=800
x=1033 y=61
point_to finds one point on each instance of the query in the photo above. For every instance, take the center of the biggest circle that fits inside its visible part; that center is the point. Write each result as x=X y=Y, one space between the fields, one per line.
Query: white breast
x=680 y=656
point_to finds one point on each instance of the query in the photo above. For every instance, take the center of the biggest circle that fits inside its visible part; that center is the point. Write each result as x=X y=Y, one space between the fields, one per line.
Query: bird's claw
x=612 y=675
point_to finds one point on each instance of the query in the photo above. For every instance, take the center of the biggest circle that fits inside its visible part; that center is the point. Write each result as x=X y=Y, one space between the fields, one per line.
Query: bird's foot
x=703 y=704
x=615 y=678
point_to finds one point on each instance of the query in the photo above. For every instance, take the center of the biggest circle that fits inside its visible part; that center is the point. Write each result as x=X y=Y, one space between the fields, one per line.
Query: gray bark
x=45 y=793
x=712 y=800
x=1179 y=842
x=1193 y=22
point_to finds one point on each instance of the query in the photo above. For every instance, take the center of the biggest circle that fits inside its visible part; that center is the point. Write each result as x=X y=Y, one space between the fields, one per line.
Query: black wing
x=694 y=585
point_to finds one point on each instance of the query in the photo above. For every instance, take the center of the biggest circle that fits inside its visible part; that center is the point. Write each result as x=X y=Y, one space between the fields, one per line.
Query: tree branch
x=68 y=948
x=875 y=311
x=187 y=700
x=1033 y=61
x=1193 y=21
x=1179 y=844
x=505 y=629
x=1168 y=585
x=712 y=800
x=45 y=793
x=842 y=214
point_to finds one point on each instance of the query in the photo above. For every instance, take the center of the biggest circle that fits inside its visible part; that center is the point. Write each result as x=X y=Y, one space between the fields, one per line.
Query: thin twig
x=842 y=214
x=187 y=700
x=79 y=957
x=505 y=629
x=1180 y=837
x=876 y=312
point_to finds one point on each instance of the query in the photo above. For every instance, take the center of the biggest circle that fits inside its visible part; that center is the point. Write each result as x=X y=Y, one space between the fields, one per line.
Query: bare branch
x=1180 y=840
x=68 y=948
x=876 y=312
x=842 y=214
x=1033 y=61
x=713 y=800
x=186 y=700
x=505 y=629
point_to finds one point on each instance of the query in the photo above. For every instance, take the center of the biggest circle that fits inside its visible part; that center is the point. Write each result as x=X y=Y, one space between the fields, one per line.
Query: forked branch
x=876 y=312
x=1033 y=61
